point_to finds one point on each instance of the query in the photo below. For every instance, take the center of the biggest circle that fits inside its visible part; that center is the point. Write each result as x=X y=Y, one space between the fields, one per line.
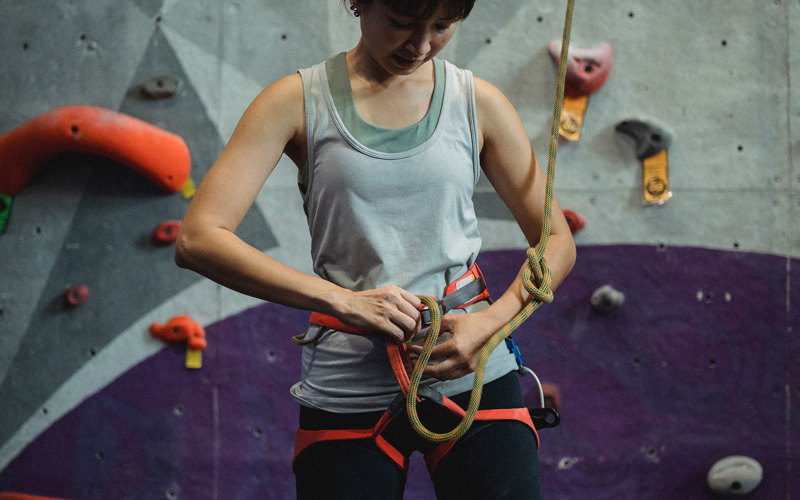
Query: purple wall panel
x=698 y=364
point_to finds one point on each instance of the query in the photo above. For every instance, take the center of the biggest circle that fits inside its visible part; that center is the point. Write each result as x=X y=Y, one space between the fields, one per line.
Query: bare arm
x=510 y=165
x=273 y=124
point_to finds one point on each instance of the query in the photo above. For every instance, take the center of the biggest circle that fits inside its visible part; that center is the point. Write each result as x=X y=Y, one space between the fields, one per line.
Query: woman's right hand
x=389 y=309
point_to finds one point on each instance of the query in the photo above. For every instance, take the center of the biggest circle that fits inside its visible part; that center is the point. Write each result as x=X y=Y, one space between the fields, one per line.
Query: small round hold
x=735 y=475
x=76 y=295
x=166 y=233
x=607 y=299
x=575 y=220
x=160 y=87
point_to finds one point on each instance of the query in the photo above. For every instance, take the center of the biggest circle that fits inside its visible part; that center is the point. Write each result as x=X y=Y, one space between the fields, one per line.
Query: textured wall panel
x=696 y=365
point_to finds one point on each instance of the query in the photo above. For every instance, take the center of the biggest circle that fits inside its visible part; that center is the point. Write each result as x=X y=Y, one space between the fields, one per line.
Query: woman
x=389 y=142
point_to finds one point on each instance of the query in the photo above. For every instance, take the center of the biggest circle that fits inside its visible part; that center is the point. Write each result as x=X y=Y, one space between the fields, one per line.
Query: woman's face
x=401 y=44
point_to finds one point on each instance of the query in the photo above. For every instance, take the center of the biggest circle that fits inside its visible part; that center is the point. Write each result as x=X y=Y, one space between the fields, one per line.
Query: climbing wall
x=697 y=364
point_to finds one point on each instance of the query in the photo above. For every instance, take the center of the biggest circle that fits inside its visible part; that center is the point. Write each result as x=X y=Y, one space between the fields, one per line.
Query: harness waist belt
x=467 y=289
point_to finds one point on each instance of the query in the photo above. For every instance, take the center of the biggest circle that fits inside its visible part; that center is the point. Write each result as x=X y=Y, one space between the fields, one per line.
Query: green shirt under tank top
x=381 y=139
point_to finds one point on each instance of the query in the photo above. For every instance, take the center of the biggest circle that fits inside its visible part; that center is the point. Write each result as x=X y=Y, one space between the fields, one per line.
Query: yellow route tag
x=572 y=114
x=194 y=358
x=655 y=178
x=188 y=189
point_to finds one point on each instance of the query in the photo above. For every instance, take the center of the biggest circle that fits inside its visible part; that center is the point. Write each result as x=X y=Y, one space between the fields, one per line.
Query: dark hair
x=423 y=9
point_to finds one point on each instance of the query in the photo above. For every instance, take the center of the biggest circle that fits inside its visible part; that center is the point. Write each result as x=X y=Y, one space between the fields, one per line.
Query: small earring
x=355 y=10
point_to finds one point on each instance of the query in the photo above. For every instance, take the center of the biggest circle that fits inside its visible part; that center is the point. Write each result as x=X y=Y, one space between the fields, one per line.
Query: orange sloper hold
x=178 y=329
x=160 y=156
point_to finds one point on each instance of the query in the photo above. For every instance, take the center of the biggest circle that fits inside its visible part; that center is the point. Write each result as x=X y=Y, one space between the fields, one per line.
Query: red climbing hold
x=166 y=233
x=574 y=219
x=178 y=329
x=160 y=156
x=587 y=69
x=552 y=395
x=76 y=295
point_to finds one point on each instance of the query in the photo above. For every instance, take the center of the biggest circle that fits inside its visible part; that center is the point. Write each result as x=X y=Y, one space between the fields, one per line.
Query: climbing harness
x=467 y=289
x=536 y=278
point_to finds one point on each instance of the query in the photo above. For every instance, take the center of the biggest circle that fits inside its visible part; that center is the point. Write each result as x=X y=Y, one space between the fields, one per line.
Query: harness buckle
x=426 y=313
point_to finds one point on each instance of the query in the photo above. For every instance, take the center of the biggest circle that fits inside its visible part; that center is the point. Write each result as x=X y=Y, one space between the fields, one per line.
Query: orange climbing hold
x=178 y=329
x=160 y=156
x=24 y=496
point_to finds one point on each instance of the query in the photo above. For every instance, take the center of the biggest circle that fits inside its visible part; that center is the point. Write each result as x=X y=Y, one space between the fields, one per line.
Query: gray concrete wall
x=716 y=74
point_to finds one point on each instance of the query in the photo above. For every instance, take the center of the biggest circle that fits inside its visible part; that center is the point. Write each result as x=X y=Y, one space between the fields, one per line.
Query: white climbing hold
x=735 y=475
x=607 y=299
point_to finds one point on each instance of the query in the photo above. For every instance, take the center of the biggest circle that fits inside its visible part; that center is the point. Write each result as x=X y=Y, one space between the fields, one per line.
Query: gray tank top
x=376 y=218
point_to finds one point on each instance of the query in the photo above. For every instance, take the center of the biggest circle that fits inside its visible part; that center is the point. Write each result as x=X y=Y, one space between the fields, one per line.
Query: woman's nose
x=419 y=43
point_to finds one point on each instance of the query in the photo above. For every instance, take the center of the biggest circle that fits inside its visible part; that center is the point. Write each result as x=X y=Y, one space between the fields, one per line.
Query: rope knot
x=536 y=277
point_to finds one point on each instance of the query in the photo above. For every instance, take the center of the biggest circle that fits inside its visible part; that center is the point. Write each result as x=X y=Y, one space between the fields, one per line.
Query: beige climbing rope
x=535 y=276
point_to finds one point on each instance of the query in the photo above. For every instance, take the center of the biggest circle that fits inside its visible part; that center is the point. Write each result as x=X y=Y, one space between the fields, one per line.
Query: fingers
x=389 y=310
x=448 y=364
x=455 y=357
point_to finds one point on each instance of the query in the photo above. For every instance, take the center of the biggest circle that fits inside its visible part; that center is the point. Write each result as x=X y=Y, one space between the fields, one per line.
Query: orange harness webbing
x=401 y=363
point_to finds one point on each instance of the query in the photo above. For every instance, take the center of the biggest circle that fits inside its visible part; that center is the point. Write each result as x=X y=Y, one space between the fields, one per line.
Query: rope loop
x=536 y=277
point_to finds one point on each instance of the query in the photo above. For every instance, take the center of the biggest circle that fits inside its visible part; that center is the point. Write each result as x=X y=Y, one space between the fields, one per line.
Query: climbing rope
x=536 y=278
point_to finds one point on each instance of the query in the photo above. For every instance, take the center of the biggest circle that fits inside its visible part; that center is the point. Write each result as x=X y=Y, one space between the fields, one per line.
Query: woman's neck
x=384 y=99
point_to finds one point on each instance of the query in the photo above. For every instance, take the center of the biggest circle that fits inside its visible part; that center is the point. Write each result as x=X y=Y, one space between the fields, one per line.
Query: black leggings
x=496 y=459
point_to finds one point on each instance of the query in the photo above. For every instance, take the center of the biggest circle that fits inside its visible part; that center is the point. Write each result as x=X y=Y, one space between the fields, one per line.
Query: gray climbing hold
x=160 y=87
x=607 y=299
x=735 y=475
x=649 y=139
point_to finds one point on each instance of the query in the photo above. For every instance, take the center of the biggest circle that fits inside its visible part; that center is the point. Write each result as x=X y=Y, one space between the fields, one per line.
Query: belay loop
x=536 y=278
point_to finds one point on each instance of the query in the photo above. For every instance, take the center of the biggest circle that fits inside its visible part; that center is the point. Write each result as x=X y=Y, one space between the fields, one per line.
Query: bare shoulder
x=281 y=103
x=496 y=115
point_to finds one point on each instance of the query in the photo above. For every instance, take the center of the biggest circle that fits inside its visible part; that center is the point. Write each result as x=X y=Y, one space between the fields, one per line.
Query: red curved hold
x=575 y=220
x=160 y=156
x=587 y=69
x=166 y=232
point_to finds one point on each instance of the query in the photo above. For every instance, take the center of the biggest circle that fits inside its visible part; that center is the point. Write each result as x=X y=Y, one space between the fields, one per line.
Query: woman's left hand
x=457 y=356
